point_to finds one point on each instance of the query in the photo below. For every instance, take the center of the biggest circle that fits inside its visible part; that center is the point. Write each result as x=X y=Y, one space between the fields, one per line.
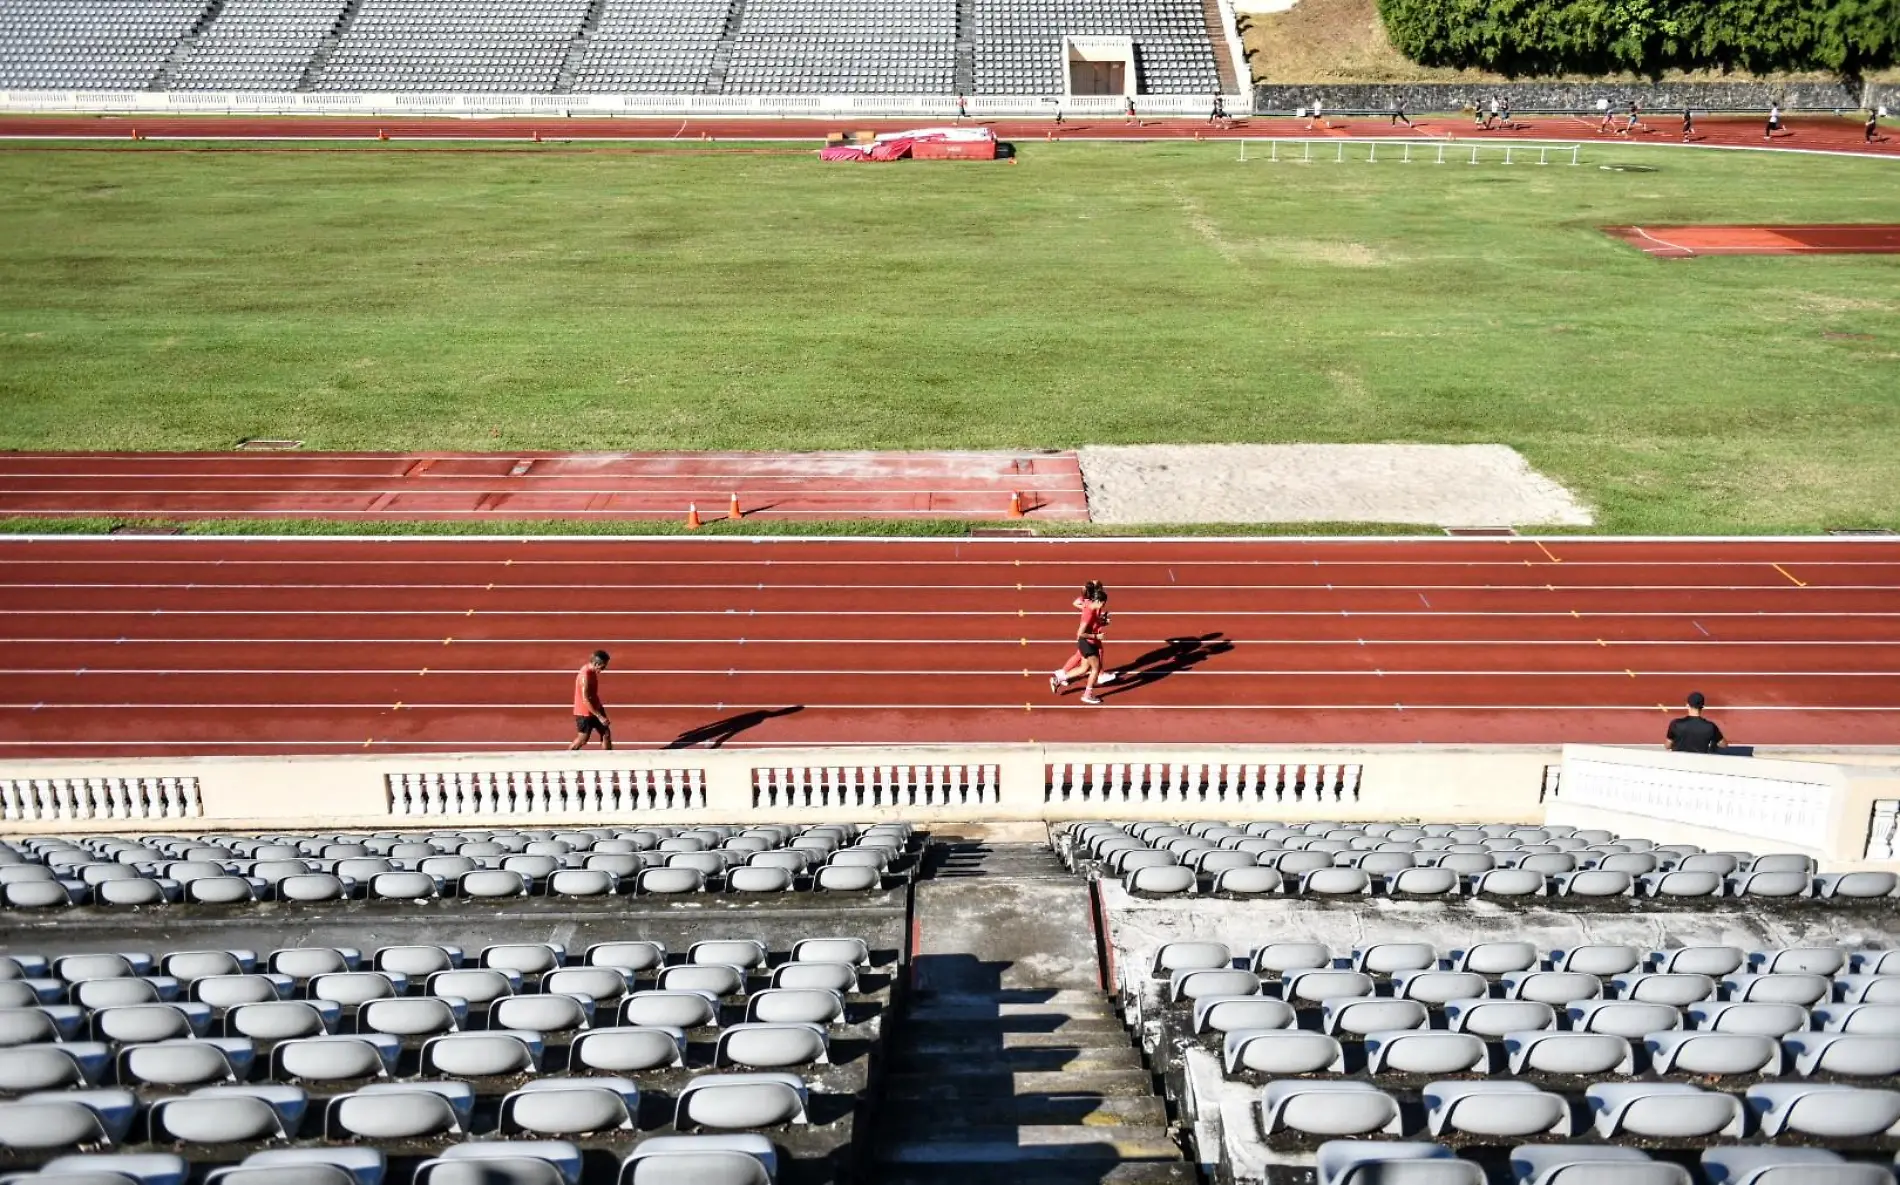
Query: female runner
x=1088 y=644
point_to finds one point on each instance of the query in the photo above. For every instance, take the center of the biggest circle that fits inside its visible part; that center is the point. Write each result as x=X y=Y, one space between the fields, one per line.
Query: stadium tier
x=940 y=48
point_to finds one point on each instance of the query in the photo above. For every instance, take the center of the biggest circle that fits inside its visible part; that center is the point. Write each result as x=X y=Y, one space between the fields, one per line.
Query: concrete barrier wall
x=1656 y=98
x=1843 y=812
x=1825 y=809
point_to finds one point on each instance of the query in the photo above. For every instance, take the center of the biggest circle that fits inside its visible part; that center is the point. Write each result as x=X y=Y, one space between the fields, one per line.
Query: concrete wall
x=1562 y=96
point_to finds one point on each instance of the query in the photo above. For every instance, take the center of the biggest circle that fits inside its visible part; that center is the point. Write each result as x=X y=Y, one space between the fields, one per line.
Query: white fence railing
x=1416 y=151
x=80 y=799
x=397 y=104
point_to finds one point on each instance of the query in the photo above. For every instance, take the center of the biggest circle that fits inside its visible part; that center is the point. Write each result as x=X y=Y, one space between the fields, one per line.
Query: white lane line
x=1663 y=243
x=1119 y=642
x=505 y=561
x=935 y=614
x=754 y=586
x=1001 y=672
x=1017 y=707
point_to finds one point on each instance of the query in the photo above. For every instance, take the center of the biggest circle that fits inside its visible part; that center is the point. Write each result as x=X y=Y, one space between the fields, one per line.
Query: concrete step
x=1030 y=1142
x=949 y=1038
x=1075 y=1059
x=1083 y=1172
x=1059 y=1107
x=1092 y=1028
x=1078 y=1004
x=987 y=1083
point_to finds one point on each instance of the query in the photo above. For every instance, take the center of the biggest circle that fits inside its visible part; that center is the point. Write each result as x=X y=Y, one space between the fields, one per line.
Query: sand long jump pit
x=1447 y=485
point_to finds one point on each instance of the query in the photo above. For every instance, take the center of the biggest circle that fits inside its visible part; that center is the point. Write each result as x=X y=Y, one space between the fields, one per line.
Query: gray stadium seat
x=30 y=1068
x=1599 y=960
x=425 y=1017
x=503 y=1162
x=1359 y=1017
x=1662 y=1110
x=400 y=1111
x=1327 y=1108
x=1413 y=1052
x=1679 y=1051
x=1492 y=1019
x=1543 y=1051
x=1233 y=1014
x=191 y=1062
x=1192 y=985
x=1874 y=1019
x=795 y=1006
x=1788 y=1166
x=668 y=1009
x=728 y=1101
x=1383 y=1162
x=1189 y=956
x=1282 y=1051
x=1494 y=1109
x=1823 y=1110
x=632 y=957
x=1625 y=1018
x=1586 y=1164
x=1763 y=1019
x=1550 y=987
x=1855 y=1055
x=1316 y=986
x=629 y=1049
x=229 y=1115
x=1278 y=958
x=732 y=1159
x=477 y=1055
x=570 y=1107
x=1437 y=987
x=1495 y=958
x=335 y=1059
x=771 y=1046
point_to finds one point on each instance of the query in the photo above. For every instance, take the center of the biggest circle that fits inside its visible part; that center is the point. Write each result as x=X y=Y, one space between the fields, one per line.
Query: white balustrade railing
x=1118 y=783
x=69 y=799
x=882 y=786
x=1881 y=830
x=545 y=792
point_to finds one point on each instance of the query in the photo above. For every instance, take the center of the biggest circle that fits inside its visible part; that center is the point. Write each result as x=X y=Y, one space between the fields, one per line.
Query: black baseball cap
x=1696 y=700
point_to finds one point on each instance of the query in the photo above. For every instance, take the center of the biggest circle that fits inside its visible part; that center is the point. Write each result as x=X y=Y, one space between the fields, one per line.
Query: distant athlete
x=1398 y=114
x=1634 y=119
x=1871 y=132
x=1774 y=122
x=590 y=715
x=1608 y=122
x=1694 y=733
x=1128 y=112
x=1688 y=125
x=1087 y=658
x=1504 y=113
x=1318 y=116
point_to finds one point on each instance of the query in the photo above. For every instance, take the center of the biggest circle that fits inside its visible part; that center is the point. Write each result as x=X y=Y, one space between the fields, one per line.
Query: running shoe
x=1056 y=684
x=1105 y=677
x=1089 y=699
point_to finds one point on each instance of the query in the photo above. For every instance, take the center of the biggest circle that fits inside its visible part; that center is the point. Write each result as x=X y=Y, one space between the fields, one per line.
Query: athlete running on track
x=1088 y=644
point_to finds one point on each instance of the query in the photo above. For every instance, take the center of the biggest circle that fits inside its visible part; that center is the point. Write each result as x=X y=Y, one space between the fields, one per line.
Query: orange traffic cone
x=732 y=508
x=1015 y=505
x=692 y=516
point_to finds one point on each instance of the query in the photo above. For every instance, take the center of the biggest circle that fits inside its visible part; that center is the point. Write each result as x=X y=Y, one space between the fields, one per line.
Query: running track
x=598 y=485
x=228 y=645
x=1812 y=133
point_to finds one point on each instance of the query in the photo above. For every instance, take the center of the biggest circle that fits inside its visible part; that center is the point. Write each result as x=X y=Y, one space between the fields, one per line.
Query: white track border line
x=999 y=673
x=1685 y=252
x=939 y=541
x=767 y=587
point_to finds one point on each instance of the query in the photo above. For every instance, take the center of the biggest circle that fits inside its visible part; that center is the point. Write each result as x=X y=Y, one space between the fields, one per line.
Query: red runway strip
x=1688 y=242
x=462 y=486
x=222 y=645
x=1811 y=133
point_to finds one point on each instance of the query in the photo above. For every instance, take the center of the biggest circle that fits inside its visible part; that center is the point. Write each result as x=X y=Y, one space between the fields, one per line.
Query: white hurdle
x=1298 y=150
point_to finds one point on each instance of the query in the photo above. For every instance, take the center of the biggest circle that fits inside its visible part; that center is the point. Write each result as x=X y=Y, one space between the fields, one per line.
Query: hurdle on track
x=1329 y=149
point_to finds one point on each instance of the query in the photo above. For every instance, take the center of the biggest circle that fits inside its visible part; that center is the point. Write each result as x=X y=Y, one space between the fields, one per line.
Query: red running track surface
x=1688 y=242
x=1812 y=133
x=465 y=486
x=199 y=645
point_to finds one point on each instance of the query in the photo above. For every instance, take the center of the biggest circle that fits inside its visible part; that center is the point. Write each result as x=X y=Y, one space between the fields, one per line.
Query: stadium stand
x=654 y=1041
x=670 y=47
x=1019 y=43
x=90 y=44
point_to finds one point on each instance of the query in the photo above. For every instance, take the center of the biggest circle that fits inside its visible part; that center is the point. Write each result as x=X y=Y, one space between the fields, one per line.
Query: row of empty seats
x=1382 y=1162
x=1498 y=860
x=222 y=870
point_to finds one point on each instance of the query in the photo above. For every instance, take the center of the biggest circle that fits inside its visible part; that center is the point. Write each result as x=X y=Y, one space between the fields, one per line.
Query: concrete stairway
x=1217 y=32
x=1011 y=1063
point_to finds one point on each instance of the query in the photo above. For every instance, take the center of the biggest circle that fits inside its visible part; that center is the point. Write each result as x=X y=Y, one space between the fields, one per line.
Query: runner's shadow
x=717 y=733
x=1172 y=657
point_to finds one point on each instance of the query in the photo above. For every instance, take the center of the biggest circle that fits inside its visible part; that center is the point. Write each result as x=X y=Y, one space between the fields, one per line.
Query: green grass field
x=388 y=299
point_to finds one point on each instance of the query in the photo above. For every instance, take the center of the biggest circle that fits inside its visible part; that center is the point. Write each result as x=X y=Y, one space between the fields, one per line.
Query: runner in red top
x=590 y=715
x=1088 y=644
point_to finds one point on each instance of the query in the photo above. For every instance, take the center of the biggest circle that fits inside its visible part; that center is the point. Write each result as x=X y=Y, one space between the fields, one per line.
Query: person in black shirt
x=1694 y=733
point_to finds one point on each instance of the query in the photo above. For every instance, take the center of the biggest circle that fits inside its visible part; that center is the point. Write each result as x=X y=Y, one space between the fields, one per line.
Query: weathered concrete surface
x=1528 y=97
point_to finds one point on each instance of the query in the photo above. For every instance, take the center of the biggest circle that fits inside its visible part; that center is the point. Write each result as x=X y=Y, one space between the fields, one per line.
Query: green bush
x=1542 y=37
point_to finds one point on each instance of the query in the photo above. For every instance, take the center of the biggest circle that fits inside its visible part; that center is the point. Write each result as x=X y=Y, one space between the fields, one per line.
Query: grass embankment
x=1095 y=293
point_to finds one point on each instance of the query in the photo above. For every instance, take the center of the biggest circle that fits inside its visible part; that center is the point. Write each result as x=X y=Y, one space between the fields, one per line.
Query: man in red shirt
x=589 y=715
